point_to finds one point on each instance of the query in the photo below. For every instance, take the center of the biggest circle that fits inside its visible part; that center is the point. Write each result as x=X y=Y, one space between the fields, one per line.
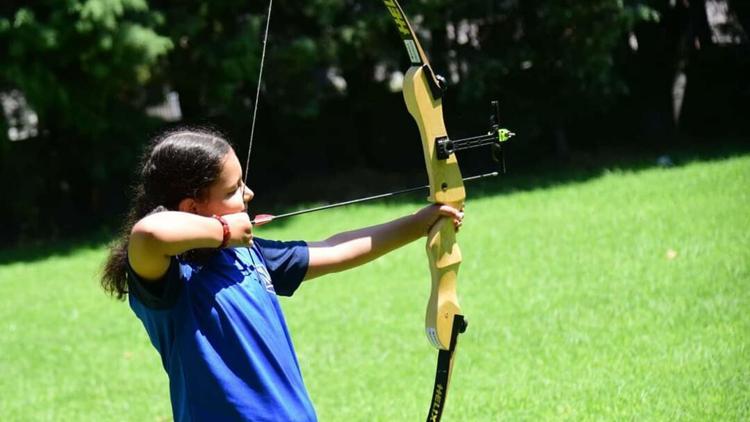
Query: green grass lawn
x=624 y=296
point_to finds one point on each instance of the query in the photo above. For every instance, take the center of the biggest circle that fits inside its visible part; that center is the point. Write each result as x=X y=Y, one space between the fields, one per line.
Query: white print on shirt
x=265 y=278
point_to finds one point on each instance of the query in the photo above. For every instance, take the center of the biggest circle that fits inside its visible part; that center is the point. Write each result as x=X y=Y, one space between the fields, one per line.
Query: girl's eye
x=238 y=188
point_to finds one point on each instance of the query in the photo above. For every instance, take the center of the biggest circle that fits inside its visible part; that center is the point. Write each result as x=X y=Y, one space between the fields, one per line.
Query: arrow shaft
x=369 y=198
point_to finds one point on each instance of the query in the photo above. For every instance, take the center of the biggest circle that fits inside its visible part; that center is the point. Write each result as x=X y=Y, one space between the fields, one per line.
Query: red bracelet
x=225 y=228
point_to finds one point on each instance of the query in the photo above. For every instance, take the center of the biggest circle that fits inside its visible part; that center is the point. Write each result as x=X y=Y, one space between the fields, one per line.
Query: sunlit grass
x=624 y=296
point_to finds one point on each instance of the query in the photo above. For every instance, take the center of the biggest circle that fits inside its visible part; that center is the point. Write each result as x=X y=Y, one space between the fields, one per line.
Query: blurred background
x=84 y=85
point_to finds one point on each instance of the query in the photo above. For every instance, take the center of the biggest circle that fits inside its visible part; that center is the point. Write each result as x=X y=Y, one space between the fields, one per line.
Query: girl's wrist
x=225 y=232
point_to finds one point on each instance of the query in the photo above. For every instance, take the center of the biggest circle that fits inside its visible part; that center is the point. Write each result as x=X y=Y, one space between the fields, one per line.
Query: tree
x=82 y=67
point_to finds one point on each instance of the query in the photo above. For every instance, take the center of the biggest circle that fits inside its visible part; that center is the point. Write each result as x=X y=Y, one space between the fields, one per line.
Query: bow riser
x=446 y=187
x=446 y=184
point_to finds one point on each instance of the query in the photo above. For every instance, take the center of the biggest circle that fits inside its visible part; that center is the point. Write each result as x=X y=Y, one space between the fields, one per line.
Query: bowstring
x=257 y=92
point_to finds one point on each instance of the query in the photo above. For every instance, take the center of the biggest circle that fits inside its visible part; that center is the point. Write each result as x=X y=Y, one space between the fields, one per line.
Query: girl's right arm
x=156 y=238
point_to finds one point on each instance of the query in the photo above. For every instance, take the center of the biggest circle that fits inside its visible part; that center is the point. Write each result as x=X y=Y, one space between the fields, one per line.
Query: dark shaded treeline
x=577 y=82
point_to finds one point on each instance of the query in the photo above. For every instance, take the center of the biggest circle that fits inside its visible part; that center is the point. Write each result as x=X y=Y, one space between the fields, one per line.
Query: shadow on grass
x=523 y=176
x=588 y=166
x=520 y=176
x=29 y=252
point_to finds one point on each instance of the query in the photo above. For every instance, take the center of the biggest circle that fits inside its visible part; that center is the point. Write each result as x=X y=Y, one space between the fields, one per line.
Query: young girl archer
x=205 y=289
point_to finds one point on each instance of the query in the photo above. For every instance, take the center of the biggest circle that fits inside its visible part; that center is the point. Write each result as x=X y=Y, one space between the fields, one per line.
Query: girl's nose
x=247 y=194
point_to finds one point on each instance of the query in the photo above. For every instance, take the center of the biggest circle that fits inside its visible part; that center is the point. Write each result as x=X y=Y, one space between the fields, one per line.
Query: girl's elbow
x=144 y=232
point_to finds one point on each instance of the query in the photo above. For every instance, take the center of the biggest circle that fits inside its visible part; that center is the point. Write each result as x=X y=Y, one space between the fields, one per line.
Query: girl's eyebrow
x=235 y=185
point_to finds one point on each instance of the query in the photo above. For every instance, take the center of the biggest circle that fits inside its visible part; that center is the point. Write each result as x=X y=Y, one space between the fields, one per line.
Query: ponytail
x=179 y=164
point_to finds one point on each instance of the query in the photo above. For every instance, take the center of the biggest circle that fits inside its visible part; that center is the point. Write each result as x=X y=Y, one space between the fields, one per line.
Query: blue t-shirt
x=222 y=336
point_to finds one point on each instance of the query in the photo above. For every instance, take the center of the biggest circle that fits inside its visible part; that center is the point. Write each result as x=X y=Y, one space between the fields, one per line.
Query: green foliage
x=80 y=59
x=84 y=68
x=551 y=62
x=215 y=64
x=618 y=296
x=90 y=68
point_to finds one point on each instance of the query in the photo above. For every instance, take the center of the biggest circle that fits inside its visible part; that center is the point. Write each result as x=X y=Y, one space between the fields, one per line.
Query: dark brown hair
x=178 y=164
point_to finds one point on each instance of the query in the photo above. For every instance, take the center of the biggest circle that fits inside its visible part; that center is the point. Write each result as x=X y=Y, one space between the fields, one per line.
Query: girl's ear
x=188 y=205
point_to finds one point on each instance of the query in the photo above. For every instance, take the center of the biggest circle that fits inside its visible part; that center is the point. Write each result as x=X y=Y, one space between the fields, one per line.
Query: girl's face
x=229 y=194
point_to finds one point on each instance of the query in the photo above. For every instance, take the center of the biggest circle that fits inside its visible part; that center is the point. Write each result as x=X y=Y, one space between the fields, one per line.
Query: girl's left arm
x=354 y=248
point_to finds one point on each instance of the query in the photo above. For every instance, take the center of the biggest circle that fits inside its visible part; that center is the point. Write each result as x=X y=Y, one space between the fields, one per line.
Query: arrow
x=262 y=219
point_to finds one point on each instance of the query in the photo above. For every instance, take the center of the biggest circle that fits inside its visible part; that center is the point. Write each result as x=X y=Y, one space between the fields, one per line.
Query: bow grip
x=444 y=258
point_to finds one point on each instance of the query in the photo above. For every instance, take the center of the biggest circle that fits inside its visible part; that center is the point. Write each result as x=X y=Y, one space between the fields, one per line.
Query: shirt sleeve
x=286 y=263
x=160 y=294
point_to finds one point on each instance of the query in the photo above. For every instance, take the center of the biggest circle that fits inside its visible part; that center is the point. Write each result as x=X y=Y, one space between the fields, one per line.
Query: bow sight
x=444 y=146
x=495 y=137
